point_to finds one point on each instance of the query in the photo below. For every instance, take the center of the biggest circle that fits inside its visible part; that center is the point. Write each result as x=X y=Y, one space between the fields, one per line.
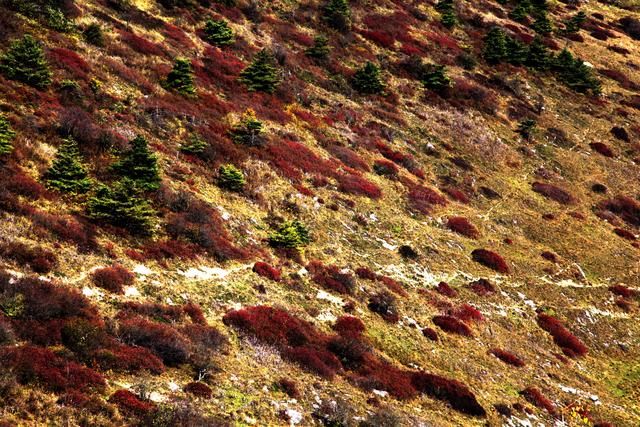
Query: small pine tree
x=195 y=145
x=575 y=73
x=538 y=57
x=122 y=205
x=218 y=33
x=93 y=35
x=573 y=25
x=320 y=48
x=25 y=62
x=262 y=74
x=495 y=46
x=447 y=12
x=435 y=78
x=517 y=52
x=67 y=173
x=525 y=128
x=367 y=79
x=231 y=178
x=139 y=165
x=180 y=78
x=248 y=131
x=290 y=235
x=6 y=136
x=337 y=14
x=542 y=25
x=521 y=11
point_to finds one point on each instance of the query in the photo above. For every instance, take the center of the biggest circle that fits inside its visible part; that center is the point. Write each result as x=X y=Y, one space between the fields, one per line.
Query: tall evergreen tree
x=521 y=11
x=337 y=14
x=320 y=48
x=25 y=62
x=575 y=73
x=218 y=33
x=262 y=74
x=542 y=25
x=139 y=165
x=67 y=173
x=447 y=12
x=517 y=52
x=122 y=205
x=180 y=78
x=538 y=57
x=495 y=46
x=367 y=79
x=6 y=136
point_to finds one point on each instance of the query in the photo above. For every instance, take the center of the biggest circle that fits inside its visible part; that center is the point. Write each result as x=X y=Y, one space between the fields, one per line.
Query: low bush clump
x=553 y=192
x=349 y=327
x=366 y=273
x=332 y=277
x=384 y=304
x=491 y=260
x=454 y=392
x=445 y=289
x=358 y=185
x=461 y=225
x=507 y=357
x=625 y=207
x=602 y=149
x=624 y=291
x=131 y=404
x=38 y=259
x=198 y=389
x=536 y=398
x=113 y=278
x=265 y=270
x=422 y=199
x=430 y=333
x=482 y=287
x=569 y=343
x=466 y=313
x=290 y=235
x=289 y=387
x=452 y=325
x=162 y=339
x=393 y=286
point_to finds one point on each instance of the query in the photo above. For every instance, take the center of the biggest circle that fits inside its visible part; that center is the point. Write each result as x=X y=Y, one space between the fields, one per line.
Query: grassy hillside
x=340 y=213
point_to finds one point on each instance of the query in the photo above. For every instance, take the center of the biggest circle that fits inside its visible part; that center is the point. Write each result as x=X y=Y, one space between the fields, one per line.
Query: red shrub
x=359 y=186
x=625 y=234
x=466 y=313
x=67 y=228
x=140 y=44
x=169 y=249
x=384 y=304
x=393 y=286
x=349 y=327
x=124 y=358
x=446 y=290
x=430 y=333
x=18 y=182
x=549 y=256
x=455 y=194
x=71 y=61
x=38 y=259
x=194 y=311
x=482 y=287
x=620 y=133
x=569 y=343
x=314 y=359
x=349 y=157
x=289 y=387
x=507 y=357
x=265 y=270
x=198 y=389
x=625 y=207
x=623 y=291
x=113 y=278
x=160 y=312
x=553 y=192
x=378 y=37
x=167 y=343
x=130 y=404
x=536 y=398
x=422 y=199
x=31 y=364
x=454 y=392
x=491 y=260
x=332 y=277
x=366 y=273
x=621 y=78
x=385 y=168
x=602 y=148
x=452 y=325
x=381 y=375
x=204 y=337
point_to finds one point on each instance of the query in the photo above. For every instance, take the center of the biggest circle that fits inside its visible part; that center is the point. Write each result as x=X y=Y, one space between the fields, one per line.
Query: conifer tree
x=320 y=48
x=447 y=12
x=230 y=178
x=495 y=46
x=262 y=74
x=525 y=128
x=435 y=78
x=67 y=173
x=573 y=25
x=218 y=33
x=337 y=14
x=367 y=79
x=538 y=57
x=542 y=25
x=93 y=35
x=25 y=62
x=195 y=145
x=248 y=131
x=517 y=52
x=575 y=73
x=290 y=235
x=122 y=205
x=521 y=11
x=139 y=165
x=180 y=78
x=6 y=136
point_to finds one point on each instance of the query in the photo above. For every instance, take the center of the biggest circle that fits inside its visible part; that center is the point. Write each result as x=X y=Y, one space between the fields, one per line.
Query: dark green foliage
x=367 y=79
x=542 y=25
x=575 y=73
x=6 y=136
x=195 y=145
x=538 y=57
x=495 y=46
x=67 y=173
x=25 y=62
x=573 y=24
x=230 y=178
x=525 y=128
x=46 y=12
x=248 y=131
x=180 y=78
x=123 y=206
x=55 y=19
x=517 y=52
x=262 y=74
x=93 y=35
x=139 y=165
x=320 y=48
x=466 y=61
x=435 y=78
x=521 y=11
x=218 y=33
x=337 y=14
x=447 y=12
x=290 y=235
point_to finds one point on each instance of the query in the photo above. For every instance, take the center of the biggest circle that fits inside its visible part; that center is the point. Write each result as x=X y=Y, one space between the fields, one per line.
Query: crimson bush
x=113 y=278
x=265 y=270
x=553 y=192
x=491 y=260
x=454 y=392
x=452 y=325
x=569 y=343
x=462 y=225
x=507 y=357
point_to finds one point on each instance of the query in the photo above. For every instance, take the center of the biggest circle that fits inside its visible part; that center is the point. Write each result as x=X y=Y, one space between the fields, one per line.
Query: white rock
x=142 y=270
x=131 y=291
x=295 y=417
